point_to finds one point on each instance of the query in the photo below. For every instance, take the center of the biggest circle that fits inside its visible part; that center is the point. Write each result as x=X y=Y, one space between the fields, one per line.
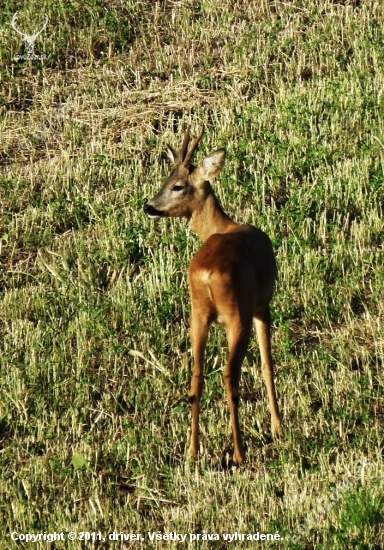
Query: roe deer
x=231 y=280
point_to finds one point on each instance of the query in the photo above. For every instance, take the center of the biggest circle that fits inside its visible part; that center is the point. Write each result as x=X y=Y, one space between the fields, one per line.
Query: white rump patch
x=205 y=276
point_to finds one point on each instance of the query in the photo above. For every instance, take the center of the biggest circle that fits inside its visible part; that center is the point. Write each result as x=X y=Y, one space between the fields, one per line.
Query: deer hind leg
x=199 y=333
x=238 y=333
x=263 y=329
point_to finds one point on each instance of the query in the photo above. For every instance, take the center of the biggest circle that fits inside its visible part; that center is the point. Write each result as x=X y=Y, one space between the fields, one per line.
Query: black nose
x=152 y=212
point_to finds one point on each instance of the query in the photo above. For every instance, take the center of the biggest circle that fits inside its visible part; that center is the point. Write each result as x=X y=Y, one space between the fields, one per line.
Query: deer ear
x=212 y=165
x=171 y=153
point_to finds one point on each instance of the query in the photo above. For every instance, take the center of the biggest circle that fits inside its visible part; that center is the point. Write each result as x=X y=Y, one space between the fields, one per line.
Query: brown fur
x=231 y=281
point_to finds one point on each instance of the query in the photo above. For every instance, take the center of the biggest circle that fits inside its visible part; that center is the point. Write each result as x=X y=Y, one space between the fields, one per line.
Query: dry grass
x=95 y=359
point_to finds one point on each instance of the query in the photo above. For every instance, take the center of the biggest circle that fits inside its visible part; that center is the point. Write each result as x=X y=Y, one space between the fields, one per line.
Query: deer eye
x=177 y=188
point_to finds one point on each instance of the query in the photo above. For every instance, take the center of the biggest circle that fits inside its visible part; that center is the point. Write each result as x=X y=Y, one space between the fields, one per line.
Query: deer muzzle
x=152 y=212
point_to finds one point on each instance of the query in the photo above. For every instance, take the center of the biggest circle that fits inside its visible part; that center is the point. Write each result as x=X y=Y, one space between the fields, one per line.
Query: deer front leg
x=199 y=333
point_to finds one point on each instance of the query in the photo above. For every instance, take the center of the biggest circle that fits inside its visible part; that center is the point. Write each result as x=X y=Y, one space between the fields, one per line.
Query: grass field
x=94 y=307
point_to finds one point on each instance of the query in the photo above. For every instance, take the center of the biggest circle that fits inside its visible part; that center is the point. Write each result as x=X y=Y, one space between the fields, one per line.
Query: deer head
x=187 y=186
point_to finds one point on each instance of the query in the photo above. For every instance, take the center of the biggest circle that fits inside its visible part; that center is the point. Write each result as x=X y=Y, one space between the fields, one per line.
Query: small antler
x=184 y=147
x=178 y=156
x=192 y=149
x=184 y=155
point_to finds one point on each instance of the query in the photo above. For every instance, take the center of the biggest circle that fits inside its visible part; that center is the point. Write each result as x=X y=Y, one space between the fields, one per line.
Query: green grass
x=95 y=355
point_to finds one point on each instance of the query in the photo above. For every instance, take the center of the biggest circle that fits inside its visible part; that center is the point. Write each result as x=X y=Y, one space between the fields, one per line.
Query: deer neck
x=209 y=218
